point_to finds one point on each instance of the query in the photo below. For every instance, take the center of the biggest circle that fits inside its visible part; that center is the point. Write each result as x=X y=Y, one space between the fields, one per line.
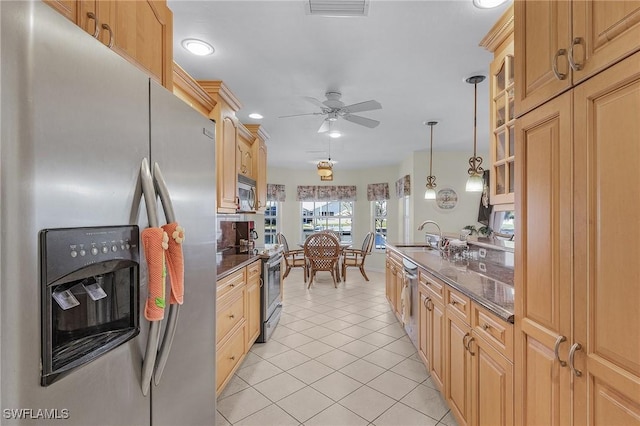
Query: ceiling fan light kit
x=430 y=193
x=475 y=182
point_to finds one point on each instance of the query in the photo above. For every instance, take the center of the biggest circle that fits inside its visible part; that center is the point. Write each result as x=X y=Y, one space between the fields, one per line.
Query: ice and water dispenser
x=89 y=294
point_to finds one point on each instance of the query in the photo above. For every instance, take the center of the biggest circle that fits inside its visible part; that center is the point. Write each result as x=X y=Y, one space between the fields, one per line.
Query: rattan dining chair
x=292 y=258
x=356 y=257
x=322 y=251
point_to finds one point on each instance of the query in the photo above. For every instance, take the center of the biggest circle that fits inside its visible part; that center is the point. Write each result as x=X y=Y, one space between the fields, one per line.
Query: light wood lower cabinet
x=254 y=283
x=458 y=367
x=491 y=385
x=237 y=320
x=467 y=350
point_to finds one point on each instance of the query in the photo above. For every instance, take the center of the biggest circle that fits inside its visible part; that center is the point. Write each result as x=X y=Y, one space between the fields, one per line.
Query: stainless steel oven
x=271 y=297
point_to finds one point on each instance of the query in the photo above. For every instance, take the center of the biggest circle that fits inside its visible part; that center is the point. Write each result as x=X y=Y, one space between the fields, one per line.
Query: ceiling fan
x=334 y=108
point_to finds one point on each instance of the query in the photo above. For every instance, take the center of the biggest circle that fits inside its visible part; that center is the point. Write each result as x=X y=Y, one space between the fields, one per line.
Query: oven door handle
x=274 y=262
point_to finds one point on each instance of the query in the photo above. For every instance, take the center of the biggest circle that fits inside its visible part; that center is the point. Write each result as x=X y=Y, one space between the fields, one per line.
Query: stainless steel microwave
x=246 y=194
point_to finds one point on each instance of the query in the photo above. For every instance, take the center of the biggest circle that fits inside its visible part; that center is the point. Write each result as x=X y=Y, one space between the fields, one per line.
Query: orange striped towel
x=175 y=261
x=153 y=241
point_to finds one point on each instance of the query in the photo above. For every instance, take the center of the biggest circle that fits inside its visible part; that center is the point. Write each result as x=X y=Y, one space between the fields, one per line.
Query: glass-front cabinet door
x=499 y=40
x=502 y=125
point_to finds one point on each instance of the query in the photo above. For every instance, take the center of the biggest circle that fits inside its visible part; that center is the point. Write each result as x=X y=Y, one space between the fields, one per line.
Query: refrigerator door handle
x=154 y=329
x=174 y=309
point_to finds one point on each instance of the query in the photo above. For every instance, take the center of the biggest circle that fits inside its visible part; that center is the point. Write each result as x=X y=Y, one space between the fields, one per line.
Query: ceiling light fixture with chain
x=475 y=182
x=325 y=167
x=430 y=193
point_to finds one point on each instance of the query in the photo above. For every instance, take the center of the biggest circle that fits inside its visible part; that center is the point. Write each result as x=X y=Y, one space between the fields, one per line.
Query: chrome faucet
x=422 y=225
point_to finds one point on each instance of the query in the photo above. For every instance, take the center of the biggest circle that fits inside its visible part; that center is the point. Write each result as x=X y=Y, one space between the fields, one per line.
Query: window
x=379 y=213
x=271 y=227
x=327 y=215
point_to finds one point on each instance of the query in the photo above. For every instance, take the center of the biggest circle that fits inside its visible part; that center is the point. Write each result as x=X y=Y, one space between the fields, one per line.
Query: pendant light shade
x=325 y=167
x=430 y=193
x=474 y=182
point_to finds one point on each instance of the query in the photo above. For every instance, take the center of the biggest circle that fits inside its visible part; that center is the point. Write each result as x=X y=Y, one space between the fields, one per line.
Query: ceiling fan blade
x=362 y=106
x=299 y=115
x=326 y=125
x=363 y=121
x=315 y=102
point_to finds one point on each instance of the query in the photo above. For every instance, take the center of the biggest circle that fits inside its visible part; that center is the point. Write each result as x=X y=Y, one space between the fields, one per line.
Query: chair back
x=283 y=242
x=322 y=250
x=367 y=244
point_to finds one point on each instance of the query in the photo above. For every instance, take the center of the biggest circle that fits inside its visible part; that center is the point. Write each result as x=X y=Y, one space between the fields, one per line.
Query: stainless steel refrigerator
x=76 y=122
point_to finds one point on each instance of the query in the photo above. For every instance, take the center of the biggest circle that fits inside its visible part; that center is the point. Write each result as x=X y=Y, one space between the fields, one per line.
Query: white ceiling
x=411 y=56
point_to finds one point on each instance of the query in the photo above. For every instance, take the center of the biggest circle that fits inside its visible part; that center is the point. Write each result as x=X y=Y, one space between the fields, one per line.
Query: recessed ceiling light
x=197 y=47
x=334 y=134
x=256 y=116
x=488 y=4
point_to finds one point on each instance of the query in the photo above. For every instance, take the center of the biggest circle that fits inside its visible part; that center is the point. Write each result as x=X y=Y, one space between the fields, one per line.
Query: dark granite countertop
x=228 y=263
x=495 y=293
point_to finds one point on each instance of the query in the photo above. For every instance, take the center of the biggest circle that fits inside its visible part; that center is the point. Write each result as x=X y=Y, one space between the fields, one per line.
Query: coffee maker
x=246 y=234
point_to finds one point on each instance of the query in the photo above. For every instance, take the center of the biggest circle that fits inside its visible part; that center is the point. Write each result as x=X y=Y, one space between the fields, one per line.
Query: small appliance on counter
x=240 y=235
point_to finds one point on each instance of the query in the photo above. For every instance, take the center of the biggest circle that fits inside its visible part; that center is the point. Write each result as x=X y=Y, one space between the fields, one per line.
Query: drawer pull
x=232 y=357
x=485 y=326
x=556 y=350
x=232 y=285
x=232 y=316
x=454 y=302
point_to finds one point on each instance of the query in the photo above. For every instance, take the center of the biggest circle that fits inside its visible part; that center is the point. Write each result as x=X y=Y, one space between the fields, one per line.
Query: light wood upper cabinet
x=224 y=114
x=499 y=40
x=244 y=153
x=561 y=43
x=140 y=31
x=260 y=164
x=67 y=8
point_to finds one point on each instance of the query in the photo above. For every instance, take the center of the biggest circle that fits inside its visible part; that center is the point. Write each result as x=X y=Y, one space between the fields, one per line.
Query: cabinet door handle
x=556 y=350
x=576 y=66
x=469 y=345
x=559 y=75
x=108 y=28
x=96 y=27
x=261 y=282
x=572 y=352
x=464 y=340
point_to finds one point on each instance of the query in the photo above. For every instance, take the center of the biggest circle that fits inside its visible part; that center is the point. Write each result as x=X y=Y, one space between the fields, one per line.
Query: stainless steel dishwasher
x=411 y=298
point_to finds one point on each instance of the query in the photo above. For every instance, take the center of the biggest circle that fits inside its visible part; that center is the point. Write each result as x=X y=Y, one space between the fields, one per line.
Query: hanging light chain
x=431 y=180
x=476 y=160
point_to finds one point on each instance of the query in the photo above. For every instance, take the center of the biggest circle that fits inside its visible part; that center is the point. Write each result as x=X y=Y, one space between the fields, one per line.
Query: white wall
x=450 y=170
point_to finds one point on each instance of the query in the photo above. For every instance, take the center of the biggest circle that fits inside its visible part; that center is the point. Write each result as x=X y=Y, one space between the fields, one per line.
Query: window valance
x=326 y=193
x=377 y=191
x=275 y=192
x=403 y=186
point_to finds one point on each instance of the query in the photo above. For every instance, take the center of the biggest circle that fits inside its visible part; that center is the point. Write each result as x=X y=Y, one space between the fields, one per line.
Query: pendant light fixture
x=325 y=167
x=430 y=193
x=475 y=182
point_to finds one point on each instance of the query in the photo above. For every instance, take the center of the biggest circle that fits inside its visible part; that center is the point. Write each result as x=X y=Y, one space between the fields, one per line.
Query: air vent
x=338 y=7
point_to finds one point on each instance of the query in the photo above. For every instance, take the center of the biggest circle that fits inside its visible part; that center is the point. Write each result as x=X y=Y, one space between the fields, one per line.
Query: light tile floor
x=338 y=357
